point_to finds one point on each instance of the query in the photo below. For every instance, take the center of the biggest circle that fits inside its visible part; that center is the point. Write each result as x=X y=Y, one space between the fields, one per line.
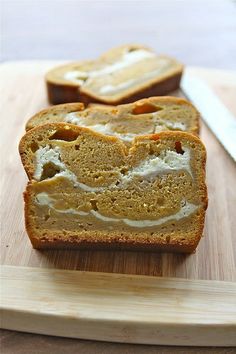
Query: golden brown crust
x=58 y=93
x=64 y=107
x=63 y=91
x=42 y=116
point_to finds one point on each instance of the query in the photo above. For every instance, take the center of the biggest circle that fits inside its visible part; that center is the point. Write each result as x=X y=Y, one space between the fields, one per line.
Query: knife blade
x=218 y=118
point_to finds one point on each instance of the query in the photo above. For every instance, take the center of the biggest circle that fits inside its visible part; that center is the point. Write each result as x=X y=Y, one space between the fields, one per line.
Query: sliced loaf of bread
x=146 y=116
x=90 y=190
x=121 y=75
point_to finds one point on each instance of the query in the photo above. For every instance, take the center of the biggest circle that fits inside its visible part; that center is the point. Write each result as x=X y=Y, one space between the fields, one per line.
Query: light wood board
x=121 y=308
x=23 y=94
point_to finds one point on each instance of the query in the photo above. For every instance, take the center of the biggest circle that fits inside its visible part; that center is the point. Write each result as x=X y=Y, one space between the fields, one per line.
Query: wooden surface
x=121 y=308
x=61 y=29
x=208 y=305
x=23 y=94
x=28 y=343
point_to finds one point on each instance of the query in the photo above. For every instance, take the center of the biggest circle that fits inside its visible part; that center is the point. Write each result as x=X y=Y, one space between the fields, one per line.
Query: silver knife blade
x=218 y=118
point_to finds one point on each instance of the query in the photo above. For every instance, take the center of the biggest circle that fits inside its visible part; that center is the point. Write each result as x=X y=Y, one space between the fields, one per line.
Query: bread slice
x=121 y=75
x=53 y=114
x=91 y=190
x=146 y=116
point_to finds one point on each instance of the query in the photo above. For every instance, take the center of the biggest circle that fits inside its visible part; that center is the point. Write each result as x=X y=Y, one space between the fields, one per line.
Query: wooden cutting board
x=198 y=309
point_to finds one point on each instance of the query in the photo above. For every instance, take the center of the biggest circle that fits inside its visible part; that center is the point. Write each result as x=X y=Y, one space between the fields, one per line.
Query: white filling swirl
x=186 y=210
x=105 y=129
x=167 y=162
x=126 y=60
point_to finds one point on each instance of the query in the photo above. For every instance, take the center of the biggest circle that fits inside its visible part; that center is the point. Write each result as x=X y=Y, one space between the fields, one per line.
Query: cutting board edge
x=9 y=270
x=209 y=331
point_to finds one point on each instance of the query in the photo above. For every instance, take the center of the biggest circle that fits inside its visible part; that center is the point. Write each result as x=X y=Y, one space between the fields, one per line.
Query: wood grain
x=121 y=308
x=23 y=94
x=128 y=309
x=22 y=343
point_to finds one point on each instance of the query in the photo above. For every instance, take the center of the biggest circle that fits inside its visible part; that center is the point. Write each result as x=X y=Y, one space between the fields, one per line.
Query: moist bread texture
x=121 y=75
x=90 y=190
x=146 y=116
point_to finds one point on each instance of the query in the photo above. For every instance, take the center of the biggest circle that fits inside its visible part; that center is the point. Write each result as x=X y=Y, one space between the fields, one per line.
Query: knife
x=218 y=118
